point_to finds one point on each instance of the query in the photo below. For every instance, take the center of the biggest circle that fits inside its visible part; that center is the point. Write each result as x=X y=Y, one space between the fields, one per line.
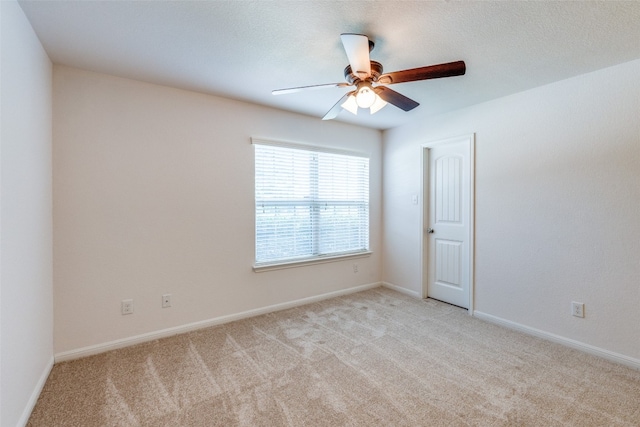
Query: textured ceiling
x=244 y=49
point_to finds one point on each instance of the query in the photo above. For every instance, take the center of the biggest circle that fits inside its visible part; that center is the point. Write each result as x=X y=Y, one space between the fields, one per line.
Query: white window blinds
x=309 y=203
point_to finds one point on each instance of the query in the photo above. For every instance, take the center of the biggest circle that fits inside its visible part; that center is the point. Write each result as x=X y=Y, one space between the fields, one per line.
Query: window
x=310 y=203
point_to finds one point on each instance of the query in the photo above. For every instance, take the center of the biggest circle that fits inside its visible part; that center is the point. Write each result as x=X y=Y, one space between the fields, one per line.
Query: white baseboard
x=402 y=290
x=31 y=403
x=151 y=336
x=587 y=348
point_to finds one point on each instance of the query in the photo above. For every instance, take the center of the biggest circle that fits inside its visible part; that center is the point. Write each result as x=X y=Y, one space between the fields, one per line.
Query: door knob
x=430 y=230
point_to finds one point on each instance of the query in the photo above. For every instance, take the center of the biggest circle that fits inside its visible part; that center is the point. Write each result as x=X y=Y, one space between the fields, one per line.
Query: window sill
x=308 y=261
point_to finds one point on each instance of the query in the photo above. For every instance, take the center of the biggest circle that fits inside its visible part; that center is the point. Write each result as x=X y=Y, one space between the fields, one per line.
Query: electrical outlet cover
x=577 y=309
x=127 y=306
x=166 y=300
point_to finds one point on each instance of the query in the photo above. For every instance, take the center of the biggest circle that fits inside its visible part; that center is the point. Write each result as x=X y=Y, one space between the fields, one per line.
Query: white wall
x=26 y=217
x=557 y=202
x=154 y=194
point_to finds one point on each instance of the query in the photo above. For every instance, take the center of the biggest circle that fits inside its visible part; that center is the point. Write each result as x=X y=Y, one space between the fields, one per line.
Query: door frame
x=470 y=139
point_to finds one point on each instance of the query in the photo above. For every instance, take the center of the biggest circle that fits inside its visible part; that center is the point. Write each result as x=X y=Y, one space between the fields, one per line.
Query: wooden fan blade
x=449 y=69
x=357 y=48
x=335 y=110
x=395 y=98
x=312 y=87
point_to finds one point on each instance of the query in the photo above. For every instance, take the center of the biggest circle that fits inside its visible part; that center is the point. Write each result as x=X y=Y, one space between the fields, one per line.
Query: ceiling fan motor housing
x=376 y=72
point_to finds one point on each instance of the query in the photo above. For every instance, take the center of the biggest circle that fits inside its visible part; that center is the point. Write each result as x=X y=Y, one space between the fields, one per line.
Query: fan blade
x=335 y=110
x=357 y=48
x=395 y=98
x=449 y=69
x=312 y=87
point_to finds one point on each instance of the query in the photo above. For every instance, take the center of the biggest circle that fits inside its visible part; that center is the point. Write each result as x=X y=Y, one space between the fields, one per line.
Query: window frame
x=314 y=259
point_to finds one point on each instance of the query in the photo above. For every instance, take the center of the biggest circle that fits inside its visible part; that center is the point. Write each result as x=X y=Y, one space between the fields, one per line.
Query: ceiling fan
x=371 y=84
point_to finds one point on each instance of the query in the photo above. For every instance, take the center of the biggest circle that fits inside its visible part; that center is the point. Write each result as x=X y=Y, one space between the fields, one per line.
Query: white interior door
x=448 y=229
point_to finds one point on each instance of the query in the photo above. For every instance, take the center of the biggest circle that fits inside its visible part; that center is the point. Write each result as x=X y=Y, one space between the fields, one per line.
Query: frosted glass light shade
x=350 y=105
x=377 y=105
x=365 y=97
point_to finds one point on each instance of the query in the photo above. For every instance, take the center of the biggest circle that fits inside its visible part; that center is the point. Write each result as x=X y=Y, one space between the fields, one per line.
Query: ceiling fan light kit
x=368 y=72
x=364 y=97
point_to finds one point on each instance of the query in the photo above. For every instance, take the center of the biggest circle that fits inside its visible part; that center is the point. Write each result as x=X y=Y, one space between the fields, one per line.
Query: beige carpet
x=375 y=358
